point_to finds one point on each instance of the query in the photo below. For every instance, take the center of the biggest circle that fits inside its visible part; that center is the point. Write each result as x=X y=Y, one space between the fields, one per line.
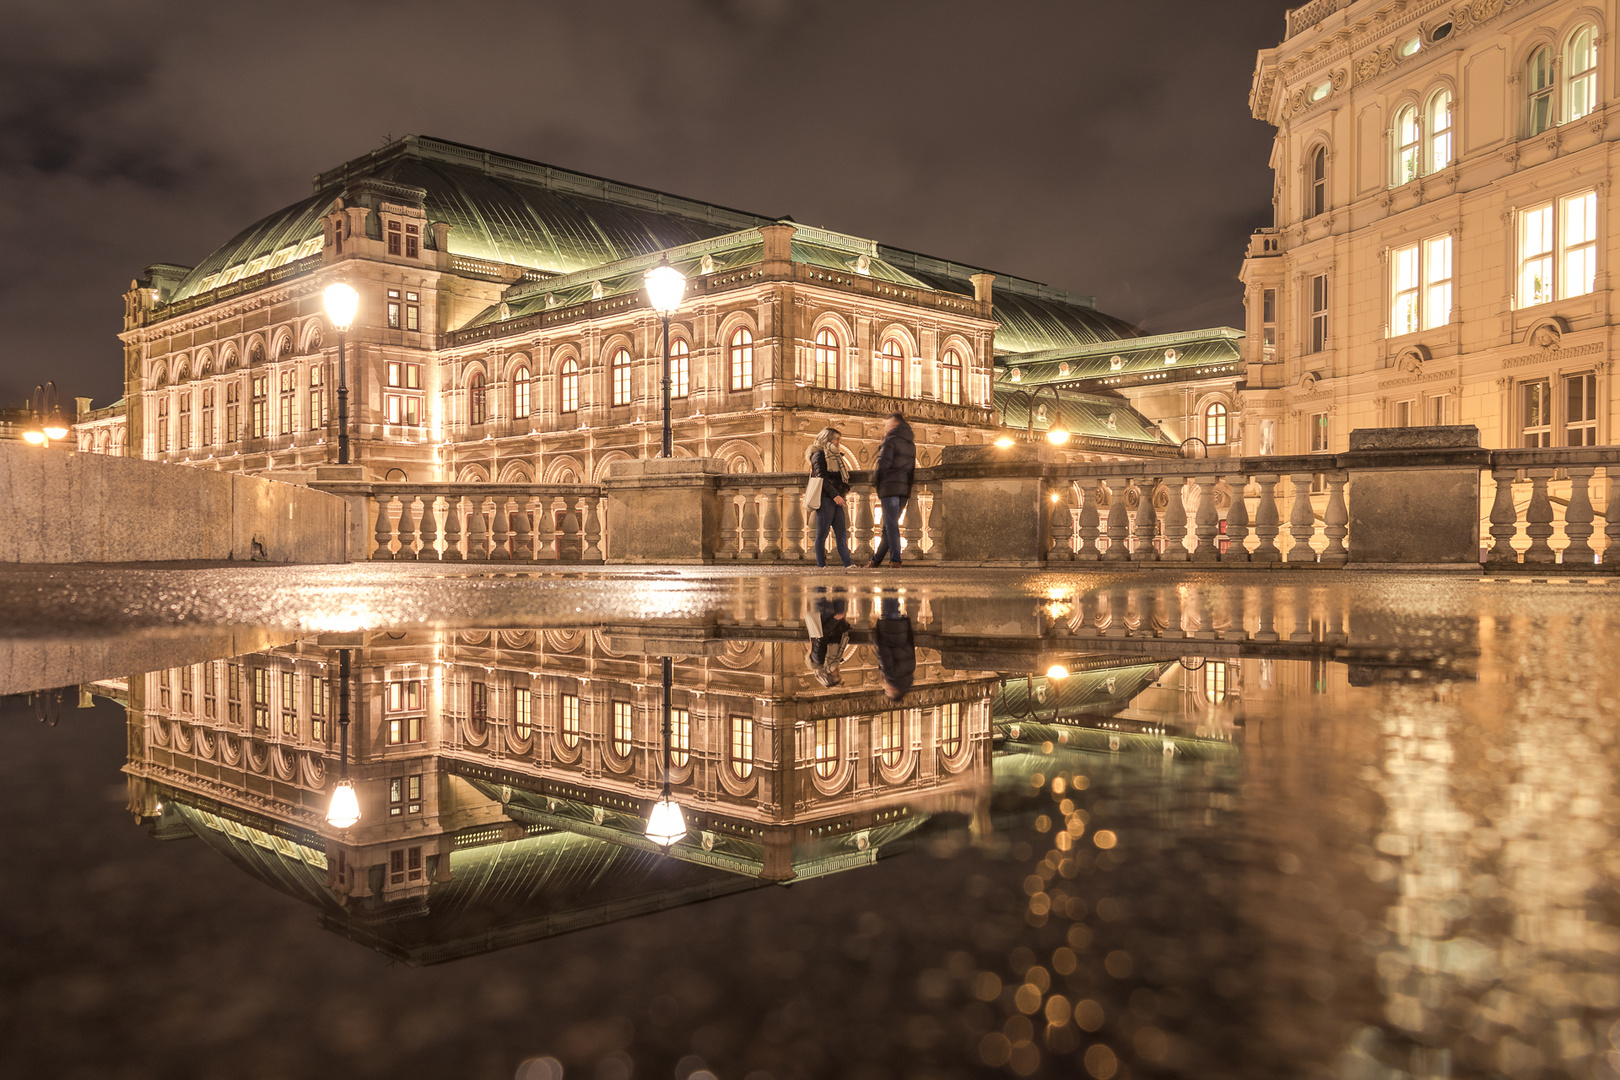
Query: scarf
x=831 y=455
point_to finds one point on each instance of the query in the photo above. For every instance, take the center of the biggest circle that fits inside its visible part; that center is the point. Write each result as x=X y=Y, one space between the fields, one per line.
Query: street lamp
x=665 y=287
x=48 y=423
x=666 y=824
x=1056 y=433
x=345 y=808
x=341 y=304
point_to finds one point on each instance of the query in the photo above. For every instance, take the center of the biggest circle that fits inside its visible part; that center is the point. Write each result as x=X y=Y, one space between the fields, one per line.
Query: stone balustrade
x=763 y=519
x=471 y=522
x=1543 y=508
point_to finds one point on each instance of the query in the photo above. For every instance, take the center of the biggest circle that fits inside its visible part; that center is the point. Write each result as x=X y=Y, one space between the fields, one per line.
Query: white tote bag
x=812 y=495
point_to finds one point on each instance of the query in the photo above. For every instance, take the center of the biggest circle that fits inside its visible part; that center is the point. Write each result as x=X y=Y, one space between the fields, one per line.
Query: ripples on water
x=1333 y=832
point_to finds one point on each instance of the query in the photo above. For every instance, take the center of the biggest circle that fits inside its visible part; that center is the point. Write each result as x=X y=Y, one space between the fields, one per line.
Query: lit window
x=211 y=691
x=317 y=398
x=1214 y=683
x=742 y=359
x=1580 y=410
x=568 y=387
x=1439 y=409
x=825 y=750
x=206 y=437
x=950 y=378
x=394 y=235
x=188 y=700
x=1536 y=413
x=892 y=369
x=261 y=406
x=1539 y=88
x=1536 y=256
x=621 y=728
x=1319 y=313
x=1408 y=145
x=1316 y=199
x=889 y=741
x=520 y=394
x=827 y=354
x=1404 y=413
x=1215 y=418
x=402 y=408
x=320 y=700
x=405 y=795
x=1440 y=129
x=742 y=746
x=1268 y=322
x=1580 y=245
x=1319 y=433
x=1580 y=68
x=288 y=399
x=413 y=241
x=404 y=695
x=477 y=401
x=1404 y=317
x=950 y=729
x=413 y=312
x=522 y=712
x=480 y=701
x=289 y=704
x=568 y=720
x=405 y=866
x=185 y=421
x=165 y=680
x=1437 y=277
x=680 y=737
x=621 y=377
x=393 y=309
x=261 y=700
x=680 y=369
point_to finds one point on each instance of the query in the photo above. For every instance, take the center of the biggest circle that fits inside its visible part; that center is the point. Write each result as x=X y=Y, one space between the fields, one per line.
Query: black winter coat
x=832 y=481
x=896 y=462
x=897 y=653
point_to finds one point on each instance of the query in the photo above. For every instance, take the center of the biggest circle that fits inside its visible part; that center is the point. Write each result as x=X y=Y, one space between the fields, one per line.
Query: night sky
x=1101 y=147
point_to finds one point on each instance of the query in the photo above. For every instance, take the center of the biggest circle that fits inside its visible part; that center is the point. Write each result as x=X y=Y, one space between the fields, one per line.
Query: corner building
x=504 y=334
x=1443 y=235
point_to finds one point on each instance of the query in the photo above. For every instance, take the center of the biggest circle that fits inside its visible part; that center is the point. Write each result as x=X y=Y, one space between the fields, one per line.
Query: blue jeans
x=893 y=507
x=829 y=515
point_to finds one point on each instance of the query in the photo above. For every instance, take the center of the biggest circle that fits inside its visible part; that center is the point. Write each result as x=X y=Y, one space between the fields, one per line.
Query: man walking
x=896 y=463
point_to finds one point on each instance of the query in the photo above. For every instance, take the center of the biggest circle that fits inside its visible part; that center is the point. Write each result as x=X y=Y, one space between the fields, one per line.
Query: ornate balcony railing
x=524 y=523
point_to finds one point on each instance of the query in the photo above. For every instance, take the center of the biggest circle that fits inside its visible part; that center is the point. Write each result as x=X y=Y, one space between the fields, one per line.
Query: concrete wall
x=69 y=508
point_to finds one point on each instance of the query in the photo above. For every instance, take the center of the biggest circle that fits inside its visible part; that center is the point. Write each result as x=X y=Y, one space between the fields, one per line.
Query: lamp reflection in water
x=666 y=824
x=345 y=808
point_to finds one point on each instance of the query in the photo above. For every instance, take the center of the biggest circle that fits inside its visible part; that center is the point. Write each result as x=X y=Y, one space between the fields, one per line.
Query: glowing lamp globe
x=1004 y=442
x=1057 y=436
x=55 y=429
x=34 y=438
x=1057 y=671
x=345 y=809
x=341 y=304
x=666 y=824
x=665 y=287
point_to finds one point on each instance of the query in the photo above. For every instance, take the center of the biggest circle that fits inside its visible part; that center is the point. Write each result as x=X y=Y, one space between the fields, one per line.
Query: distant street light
x=48 y=424
x=665 y=287
x=666 y=824
x=341 y=304
x=345 y=808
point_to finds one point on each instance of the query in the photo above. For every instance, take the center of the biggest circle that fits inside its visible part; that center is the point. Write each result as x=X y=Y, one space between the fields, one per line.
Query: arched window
x=1580 y=74
x=1215 y=424
x=521 y=407
x=827 y=353
x=1538 y=84
x=1316 y=199
x=568 y=387
x=892 y=369
x=621 y=377
x=1408 y=148
x=680 y=737
x=742 y=359
x=742 y=744
x=680 y=369
x=825 y=750
x=621 y=728
x=477 y=400
x=889 y=745
x=1440 y=128
x=950 y=728
x=950 y=378
x=1215 y=683
x=317 y=398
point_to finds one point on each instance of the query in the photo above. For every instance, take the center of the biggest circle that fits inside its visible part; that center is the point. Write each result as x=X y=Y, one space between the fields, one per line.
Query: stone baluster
x=1175 y=520
x=771 y=548
x=1504 y=519
x=793 y=531
x=1206 y=520
x=407 y=529
x=384 y=530
x=1266 y=629
x=1267 y=523
x=477 y=531
x=523 y=536
x=1336 y=520
x=930 y=525
x=862 y=545
x=593 y=530
x=1173 y=624
x=1539 y=518
x=1302 y=519
x=1302 y=615
x=1578 y=517
x=568 y=549
x=430 y=528
x=1119 y=609
x=911 y=527
x=750 y=523
x=1090 y=520
x=1237 y=522
x=1611 y=526
x=728 y=524
x=501 y=529
x=545 y=530
x=1118 y=521
x=452 y=529
x=1147 y=522
x=1237 y=628
x=1202 y=615
x=1062 y=529
x=1087 y=623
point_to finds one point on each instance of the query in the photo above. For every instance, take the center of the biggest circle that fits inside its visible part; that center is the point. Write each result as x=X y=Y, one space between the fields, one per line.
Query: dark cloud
x=1105 y=148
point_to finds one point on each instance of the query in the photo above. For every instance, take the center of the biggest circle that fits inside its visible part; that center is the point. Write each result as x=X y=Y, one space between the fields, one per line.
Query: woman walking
x=827 y=461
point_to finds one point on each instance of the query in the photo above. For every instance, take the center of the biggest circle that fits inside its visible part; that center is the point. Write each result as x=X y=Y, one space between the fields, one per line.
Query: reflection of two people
x=828 y=625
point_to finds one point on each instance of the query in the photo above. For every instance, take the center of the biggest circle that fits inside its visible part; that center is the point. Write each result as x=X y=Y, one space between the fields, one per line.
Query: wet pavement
x=936 y=824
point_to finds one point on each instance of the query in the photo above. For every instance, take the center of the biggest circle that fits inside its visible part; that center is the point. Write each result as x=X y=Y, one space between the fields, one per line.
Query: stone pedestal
x=1414 y=497
x=356 y=534
x=989 y=506
x=663 y=510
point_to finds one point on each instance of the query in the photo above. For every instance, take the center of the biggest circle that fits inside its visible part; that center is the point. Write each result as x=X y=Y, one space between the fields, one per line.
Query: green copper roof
x=1088 y=415
x=1101 y=692
x=1162 y=357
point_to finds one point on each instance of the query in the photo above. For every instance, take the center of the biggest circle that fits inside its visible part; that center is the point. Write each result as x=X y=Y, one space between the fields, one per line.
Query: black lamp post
x=345 y=808
x=666 y=824
x=665 y=287
x=341 y=304
x=48 y=424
